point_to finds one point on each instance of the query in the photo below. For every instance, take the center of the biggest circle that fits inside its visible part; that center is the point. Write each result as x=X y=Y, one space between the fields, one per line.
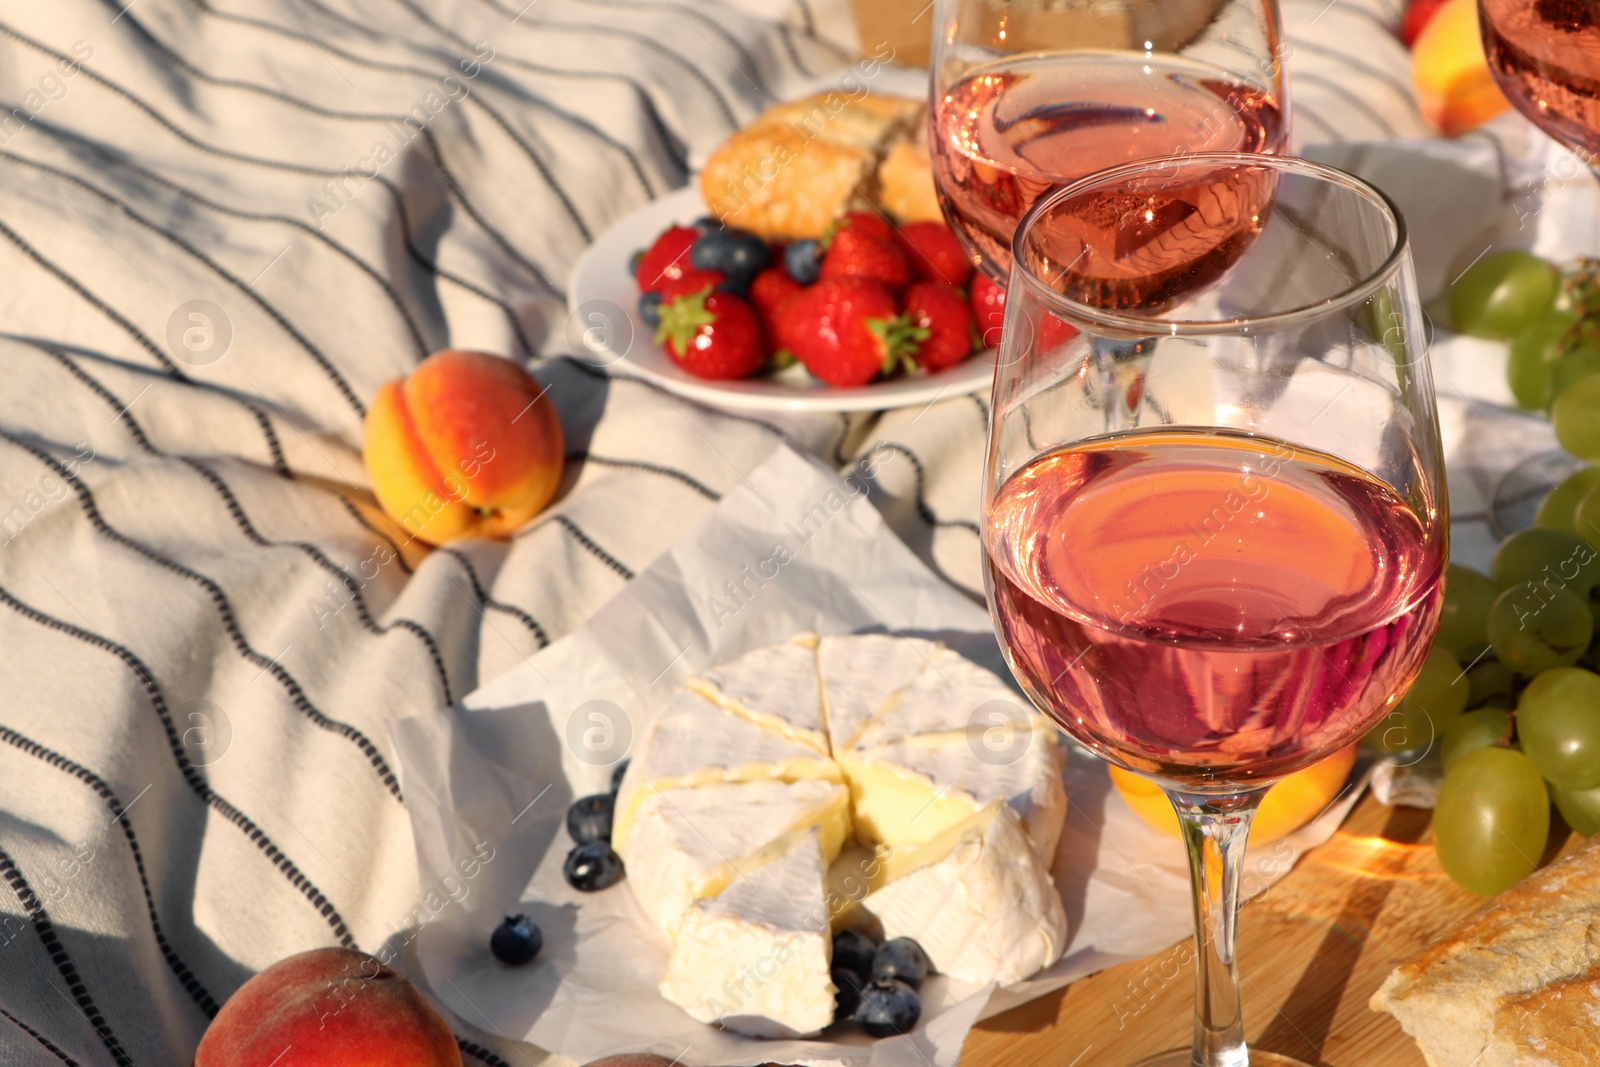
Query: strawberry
x=855 y=253
x=1418 y=14
x=988 y=309
x=873 y=223
x=770 y=290
x=666 y=259
x=934 y=253
x=1054 y=332
x=711 y=334
x=942 y=312
x=844 y=330
x=688 y=281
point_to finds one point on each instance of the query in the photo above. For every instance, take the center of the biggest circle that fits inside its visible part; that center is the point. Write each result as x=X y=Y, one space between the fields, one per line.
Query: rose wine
x=1010 y=132
x=1215 y=609
x=1546 y=56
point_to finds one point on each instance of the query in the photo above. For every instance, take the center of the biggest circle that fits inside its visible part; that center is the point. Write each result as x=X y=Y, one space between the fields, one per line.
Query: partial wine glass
x=1214 y=524
x=1028 y=95
x=1545 y=55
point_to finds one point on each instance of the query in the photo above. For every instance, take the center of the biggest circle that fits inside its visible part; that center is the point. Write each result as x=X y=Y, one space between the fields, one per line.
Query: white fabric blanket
x=203 y=627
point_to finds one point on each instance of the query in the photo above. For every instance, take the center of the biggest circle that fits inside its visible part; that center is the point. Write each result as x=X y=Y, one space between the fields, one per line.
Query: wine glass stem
x=1215 y=830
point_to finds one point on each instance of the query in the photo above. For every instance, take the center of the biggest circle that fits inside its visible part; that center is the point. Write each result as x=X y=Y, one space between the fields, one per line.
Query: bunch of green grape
x=1552 y=319
x=1510 y=698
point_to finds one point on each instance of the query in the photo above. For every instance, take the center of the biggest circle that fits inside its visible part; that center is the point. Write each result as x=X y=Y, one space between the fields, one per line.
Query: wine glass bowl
x=1545 y=56
x=1028 y=96
x=1214 y=528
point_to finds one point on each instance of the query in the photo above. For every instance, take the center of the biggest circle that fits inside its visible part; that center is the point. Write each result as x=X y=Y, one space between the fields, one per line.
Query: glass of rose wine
x=1028 y=95
x=1545 y=55
x=1214 y=501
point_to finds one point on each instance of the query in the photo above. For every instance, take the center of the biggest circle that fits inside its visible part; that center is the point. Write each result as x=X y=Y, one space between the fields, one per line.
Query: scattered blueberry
x=848 y=998
x=854 y=952
x=888 y=1008
x=616 y=775
x=633 y=262
x=516 y=941
x=803 y=259
x=589 y=818
x=593 y=867
x=901 y=959
x=650 y=309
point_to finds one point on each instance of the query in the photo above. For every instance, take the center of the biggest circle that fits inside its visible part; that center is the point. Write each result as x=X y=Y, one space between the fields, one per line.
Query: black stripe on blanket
x=48 y=1045
x=197 y=992
x=58 y=955
x=191 y=776
x=244 y=288
x=490 y=602
x=225 y=613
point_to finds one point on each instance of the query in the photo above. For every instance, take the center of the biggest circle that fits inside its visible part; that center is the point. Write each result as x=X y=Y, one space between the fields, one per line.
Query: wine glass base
x=1183 y=1057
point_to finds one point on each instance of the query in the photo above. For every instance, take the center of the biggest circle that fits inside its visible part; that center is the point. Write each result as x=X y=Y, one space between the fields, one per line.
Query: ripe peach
x=1288 y=805
x=1455 y=90
x=467 y=445
x=330 y=1007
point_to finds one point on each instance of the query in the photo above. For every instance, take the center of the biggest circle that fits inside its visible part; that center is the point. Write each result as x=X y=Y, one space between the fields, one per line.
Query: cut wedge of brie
x=756 y=958
x=752 y=780
x=975 y=900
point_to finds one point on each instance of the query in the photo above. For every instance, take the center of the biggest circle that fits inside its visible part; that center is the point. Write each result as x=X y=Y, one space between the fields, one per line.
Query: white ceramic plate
x=605 y=327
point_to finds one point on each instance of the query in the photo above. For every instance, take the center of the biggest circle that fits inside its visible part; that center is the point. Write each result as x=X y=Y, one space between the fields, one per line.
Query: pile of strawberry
x=867 y=301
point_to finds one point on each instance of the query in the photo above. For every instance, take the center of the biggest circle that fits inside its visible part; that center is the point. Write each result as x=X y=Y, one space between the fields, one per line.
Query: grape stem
x=1510 y=730
x=1580 y=286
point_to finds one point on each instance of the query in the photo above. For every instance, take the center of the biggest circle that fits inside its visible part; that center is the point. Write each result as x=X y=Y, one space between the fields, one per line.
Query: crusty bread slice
x=802 y=164
x=1517 y=984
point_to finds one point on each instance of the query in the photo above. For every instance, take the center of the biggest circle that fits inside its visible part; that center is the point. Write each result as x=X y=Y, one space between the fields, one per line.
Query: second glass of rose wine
x=1028 y=95
x=1214 y=523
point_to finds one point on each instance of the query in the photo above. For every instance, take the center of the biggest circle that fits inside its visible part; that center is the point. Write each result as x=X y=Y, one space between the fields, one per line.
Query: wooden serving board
x=1311 y=952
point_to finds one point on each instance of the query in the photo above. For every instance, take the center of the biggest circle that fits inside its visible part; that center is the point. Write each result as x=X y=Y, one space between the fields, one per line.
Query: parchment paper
x=794 y=547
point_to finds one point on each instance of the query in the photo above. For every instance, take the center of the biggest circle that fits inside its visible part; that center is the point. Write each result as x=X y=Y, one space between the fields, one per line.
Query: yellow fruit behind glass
x=1455 y=90
x=1288 y=805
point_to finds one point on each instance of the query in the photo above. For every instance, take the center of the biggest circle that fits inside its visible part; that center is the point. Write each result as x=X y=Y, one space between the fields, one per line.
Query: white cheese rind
x=987 y=912
x=860 y=672
x=757 y=958
x=774 y=687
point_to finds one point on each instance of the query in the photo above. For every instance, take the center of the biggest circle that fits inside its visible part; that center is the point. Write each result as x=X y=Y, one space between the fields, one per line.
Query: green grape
x=1534 y=629
x=1576 y=418
x=1463 y=621
x=1432 y=703
x=1501 y=294
x=1558 y=510
x=1580 y=807
x=1492 y=820
x=1487 y=680
x=1551 y=559
x=1535 y=350
x=1586 y=516
x=1558 y=721
x=1571 y=369
x=1474 y=730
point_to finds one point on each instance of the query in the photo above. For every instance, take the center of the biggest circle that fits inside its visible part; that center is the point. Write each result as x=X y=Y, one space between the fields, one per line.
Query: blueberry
x=903 y=959
x=802 y=260
x=848 y=998
x=589 y=818
x=736 y=285
x=707 y=222
x=650 y=309
x=854 y=951
x=710 y=251
x=633 y=262
x=516 y=941
x=616 y=775
x=747 y=256
x=593 y=867
x=888 y=1008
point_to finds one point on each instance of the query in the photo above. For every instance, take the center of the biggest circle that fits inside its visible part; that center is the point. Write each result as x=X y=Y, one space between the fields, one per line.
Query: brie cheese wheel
x=734 y=810
x=976 y=900
x=757 y=957
x=690 y=844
